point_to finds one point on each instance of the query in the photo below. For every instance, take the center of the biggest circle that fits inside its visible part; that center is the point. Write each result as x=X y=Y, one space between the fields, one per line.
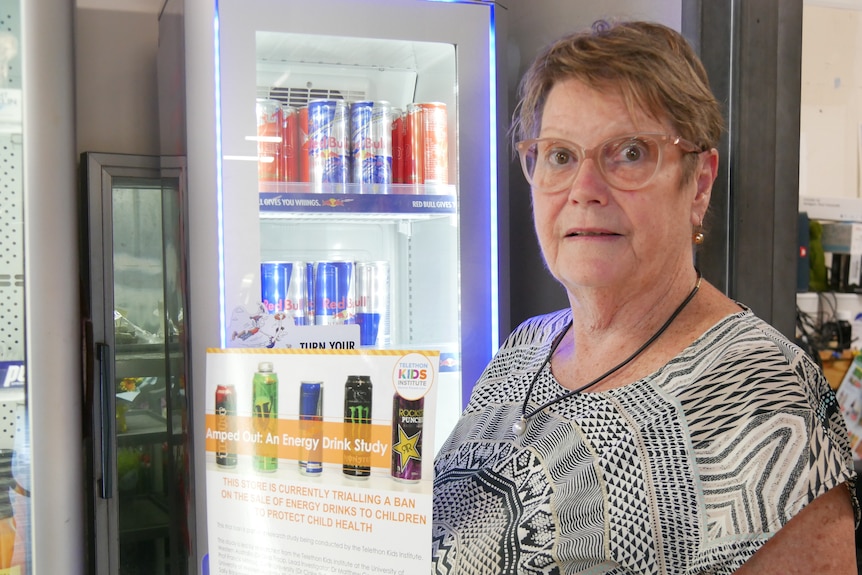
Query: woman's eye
x=559 y=156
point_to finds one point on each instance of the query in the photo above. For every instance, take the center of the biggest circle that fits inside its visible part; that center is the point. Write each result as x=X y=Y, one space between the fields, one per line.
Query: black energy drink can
x=407 y=421
x=357 y=427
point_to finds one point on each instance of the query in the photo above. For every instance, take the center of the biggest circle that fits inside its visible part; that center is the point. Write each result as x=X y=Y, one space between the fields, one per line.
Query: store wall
x=831 y=111
x=115 y=78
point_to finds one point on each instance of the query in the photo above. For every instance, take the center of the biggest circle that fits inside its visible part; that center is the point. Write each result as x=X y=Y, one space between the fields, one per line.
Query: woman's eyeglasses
x=627 y=162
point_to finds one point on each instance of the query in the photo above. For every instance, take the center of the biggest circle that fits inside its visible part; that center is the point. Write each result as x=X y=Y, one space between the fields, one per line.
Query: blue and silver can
x=334 y=293
x=329 y=144
x=311 y=427
x=373 y=303
x=371 y=133
x=286 y=288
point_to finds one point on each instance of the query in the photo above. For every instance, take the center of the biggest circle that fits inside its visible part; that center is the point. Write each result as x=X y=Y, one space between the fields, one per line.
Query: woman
x=656 y=426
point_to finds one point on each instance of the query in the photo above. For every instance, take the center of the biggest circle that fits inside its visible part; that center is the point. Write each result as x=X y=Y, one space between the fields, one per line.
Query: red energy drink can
x=371 y=135
x=373 y=303
x=268 y=139
x=286 y=287
x=435 y=143
x=414 y=147
x=311 y=427
x=225 y=412
x=302 y=119
x=290 y=147
x=398 y=130
x=408 y=416
x=334 y=293
x=329 y=144
x=357 y=427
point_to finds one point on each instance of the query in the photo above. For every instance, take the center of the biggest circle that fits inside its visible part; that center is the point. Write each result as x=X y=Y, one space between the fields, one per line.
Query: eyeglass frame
x=686 y=146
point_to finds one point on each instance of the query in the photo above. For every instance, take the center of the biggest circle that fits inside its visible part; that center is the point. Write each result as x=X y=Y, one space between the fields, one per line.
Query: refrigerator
x=432 y=237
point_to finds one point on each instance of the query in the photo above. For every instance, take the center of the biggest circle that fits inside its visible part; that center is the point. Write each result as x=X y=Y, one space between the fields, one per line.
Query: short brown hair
x=653 y=67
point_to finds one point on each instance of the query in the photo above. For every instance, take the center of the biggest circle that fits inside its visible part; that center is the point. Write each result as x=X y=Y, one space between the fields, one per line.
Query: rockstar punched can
x=357 y=426
x=311 y=427
x=407 y=420
x=225 y=412
x=265 y=418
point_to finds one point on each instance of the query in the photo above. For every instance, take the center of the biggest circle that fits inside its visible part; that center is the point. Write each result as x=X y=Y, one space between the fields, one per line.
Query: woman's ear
x=704 y=178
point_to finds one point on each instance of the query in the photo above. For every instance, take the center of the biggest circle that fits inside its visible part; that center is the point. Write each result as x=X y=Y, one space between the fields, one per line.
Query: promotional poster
x=320 y=461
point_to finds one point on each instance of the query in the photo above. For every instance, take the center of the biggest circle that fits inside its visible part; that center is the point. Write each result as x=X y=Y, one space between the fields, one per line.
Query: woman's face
x=595 y=235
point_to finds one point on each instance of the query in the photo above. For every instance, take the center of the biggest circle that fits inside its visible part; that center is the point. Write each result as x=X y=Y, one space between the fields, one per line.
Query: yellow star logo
x=406 y=446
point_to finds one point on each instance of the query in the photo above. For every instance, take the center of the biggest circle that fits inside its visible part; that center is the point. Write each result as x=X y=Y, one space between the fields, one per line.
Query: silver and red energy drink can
x=357 y=427
x=225 y=412
x=268 y=139
x=264 y=417
x=436 y=142
x=414 y=147
x=329 y=144
x=334 y=293
x=302 y=118
x=373 y=303
x=290 y=146
x=311 y=427
x=286 y=287
x=398 y=130
x=407 y=420
x=371 y=130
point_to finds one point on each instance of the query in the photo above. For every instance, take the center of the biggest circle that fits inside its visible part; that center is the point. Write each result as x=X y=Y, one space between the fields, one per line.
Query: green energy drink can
x=407 y=421
x=357 y=427
x=265 y=418
x=311 y=427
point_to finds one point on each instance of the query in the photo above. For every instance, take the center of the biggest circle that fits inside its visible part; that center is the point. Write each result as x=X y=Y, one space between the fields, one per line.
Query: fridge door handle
x=106 y=407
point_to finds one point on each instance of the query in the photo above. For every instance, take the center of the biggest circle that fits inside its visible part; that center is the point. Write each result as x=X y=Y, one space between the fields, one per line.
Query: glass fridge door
x=136 y=249
x=346 y=147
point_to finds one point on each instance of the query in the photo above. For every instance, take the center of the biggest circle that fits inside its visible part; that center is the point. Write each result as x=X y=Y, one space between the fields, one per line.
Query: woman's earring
x=697 y=238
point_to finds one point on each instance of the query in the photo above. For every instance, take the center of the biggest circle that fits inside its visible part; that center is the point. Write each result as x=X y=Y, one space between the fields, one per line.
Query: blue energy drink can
x=371 y=134
x=334 y=293
x=329 y=144
x=311 y=427
x=286 y=288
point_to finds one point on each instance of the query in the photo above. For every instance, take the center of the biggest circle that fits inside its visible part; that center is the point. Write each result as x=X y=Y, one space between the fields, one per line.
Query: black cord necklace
x=520 y=426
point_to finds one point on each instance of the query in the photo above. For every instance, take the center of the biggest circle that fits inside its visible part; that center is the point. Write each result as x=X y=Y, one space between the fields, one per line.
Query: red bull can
x=268 y=139
x=408 y=417
x=398 y=130
x=290 y=147
x=357 y=427
x=414 y=147
x=334 y=293
x=373 y=303
x=329 y=144
x=286 y=287
x=302 y=120
x=311 y=427
x=371 y=130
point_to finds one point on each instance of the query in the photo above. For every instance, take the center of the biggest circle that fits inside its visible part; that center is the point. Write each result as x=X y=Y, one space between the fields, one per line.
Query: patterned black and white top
x=689 y=470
